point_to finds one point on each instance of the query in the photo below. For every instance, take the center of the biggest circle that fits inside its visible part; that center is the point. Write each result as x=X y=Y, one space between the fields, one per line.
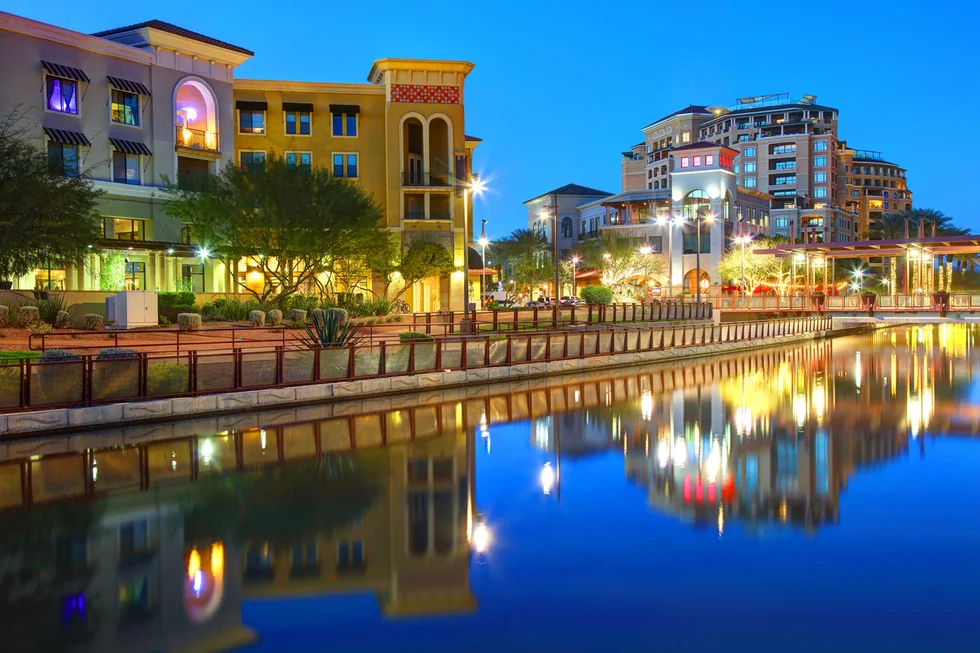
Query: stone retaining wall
x=77 y=419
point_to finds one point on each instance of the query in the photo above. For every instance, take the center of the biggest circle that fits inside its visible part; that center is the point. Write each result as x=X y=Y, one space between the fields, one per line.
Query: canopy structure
x=937 y=246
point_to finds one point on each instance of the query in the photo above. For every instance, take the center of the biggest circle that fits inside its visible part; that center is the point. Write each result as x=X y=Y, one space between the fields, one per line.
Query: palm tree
x=907 y=224
x=525 y=254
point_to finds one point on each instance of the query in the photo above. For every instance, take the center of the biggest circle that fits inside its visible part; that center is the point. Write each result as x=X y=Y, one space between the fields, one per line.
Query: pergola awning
x=939 y=245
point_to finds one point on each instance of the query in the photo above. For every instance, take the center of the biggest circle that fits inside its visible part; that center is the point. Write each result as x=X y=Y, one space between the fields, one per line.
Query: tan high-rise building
x=873 y=187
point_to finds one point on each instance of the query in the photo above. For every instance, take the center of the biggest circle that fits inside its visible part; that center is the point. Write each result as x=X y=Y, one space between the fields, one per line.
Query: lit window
x=782 y=222
x=125 y=108
x=709 y=160
x=298 y=123
x=697 y=161
x=122 y=229
x=750 y=166
x=820 y=192
x=686 y=137
x=345 y=165
x=749 y=182
x=125 y=168
x=63 y=159
x=820 y=177
x=685 y=162
x=299 y=160
x=251 y=121
x=748 y=152
x=62 y=95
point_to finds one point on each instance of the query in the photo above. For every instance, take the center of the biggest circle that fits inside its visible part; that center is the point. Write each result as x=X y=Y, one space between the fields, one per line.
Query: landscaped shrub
x=275 y=317
x=406 y=336
x=596 y=295
x=59 y=384
x=41 y=328
x=171 y=304
x=115 y=373
x=163 y=321
x=188 y=321
x=48 y=309
x=94 y=322
x=62 y=320
x=298 y=315
x=4 y=316
x=111 y=353
x=29 y=316
x=166 y=378
x=256 y=318
x=229 y=310
x=9 y=386
x=318 y=314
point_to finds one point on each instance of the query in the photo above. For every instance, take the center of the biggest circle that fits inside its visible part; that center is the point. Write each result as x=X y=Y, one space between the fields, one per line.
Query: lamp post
x=552 y=212
x=474 y=187
x=483 y=259
x=668 y=221
x=698 y=220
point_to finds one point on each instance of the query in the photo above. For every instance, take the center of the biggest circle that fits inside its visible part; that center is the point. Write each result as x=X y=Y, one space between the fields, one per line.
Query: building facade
x=138 y=106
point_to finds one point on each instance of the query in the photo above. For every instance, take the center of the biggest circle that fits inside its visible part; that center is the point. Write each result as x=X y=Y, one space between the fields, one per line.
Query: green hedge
x=596 y=295
x=170 y=304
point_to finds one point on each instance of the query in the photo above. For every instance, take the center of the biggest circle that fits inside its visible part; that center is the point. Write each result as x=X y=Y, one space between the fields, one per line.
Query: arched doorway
x=726 y=207
x=690 y=285
x=440 y=154
x=196 y=115
x=412 y=152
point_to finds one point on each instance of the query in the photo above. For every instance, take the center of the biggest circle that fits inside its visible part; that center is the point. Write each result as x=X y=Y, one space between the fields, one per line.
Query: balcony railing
x=196 y=139
x=432 y=215
x=427 y=179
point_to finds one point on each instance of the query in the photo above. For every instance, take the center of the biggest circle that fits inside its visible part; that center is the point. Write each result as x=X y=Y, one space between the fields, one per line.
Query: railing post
x=350 y=360
x=411 y=356
x=564 y=348
x=486 y=347
x=547 y=347
x=510 y=346
x=382 y=363
x=144 y=373
x=428 y=324
x=439 y=344
x=495 y=318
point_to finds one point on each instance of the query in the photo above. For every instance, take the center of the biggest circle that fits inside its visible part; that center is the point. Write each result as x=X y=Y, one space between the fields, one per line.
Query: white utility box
x=130 y=309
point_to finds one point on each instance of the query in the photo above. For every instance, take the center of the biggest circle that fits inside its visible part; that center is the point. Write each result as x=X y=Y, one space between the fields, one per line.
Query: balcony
x=421 y=215
x=427 y=180
x=195 y=139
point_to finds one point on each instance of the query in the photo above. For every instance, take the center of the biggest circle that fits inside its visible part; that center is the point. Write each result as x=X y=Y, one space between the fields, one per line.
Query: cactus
x=94 y=322
x=188 y=321
x=29 y=316
x=298 y=315
x=256 y=318
x=275 y=317
x=62 y=320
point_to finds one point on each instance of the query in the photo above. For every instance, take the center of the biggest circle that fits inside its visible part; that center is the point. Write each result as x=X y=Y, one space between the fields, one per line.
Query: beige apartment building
x=135 y=106
x=872 y=186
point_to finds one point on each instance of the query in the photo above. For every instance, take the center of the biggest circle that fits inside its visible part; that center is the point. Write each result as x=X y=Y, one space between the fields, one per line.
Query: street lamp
x=743 y=241
x=699 y=219
x=575 y=261
x=668 y=221
x=859 y=275
x=483 y=259
x=475 y=186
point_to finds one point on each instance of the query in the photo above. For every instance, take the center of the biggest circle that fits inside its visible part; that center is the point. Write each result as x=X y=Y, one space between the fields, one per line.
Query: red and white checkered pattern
x=424 y=94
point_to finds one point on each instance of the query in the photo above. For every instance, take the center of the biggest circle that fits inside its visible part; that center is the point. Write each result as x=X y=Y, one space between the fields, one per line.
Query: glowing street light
x=480 y=538
x=475 y=186
x=698 y=220
x=548 y=477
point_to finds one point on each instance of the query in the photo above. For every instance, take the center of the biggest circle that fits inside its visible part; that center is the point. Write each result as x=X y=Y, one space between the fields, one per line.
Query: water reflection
x=154 y=538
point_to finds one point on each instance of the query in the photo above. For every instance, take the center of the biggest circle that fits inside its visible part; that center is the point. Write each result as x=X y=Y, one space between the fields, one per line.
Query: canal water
x=811 y=498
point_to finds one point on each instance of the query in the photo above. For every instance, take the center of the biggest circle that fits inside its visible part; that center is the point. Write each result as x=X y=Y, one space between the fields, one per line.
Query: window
x=819 y=161
x=298 y=123
x=820 y=177
x=299 y=160
x=750 y=166
x=886 y=206
x=749 y=182
x=786 y=165
x=125 y=168
x=132 y=538
x=697 y=161
x=252 y=161
x=709 y=160
x=820 y=146
x=783 y=149
x=686 y=137
x=782 y=222
x=855 y=193
x=125 y=108
x=251 y=121
x=192 y=277
x=345 y=165
x=685 y=162
x=122 y=229
x=566 y=227
x=744 y=138
x=748 y=152
x=785 y=180
x=133 y=598
x=820 y=191
x=62 y=95
x=344 y=124
x=690 y=242
x=350 y=554
x=63 y=159
x=135 y=276
x=737 y=168
x=304 y=558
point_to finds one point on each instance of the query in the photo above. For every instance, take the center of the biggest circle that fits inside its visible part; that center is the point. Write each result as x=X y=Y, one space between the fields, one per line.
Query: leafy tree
x=46 y=218
x=293 y=223
x=528 y=260
x=394 y=263
x=597 y=295
x=112 y=277
x=760 y=269
x=624 y=266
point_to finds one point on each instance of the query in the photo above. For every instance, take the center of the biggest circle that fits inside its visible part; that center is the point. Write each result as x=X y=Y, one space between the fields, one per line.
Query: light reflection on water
x=806 y=498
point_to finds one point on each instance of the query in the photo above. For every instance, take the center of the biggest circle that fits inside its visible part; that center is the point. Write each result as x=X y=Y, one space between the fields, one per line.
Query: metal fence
x=963 y=302
x=88 y=379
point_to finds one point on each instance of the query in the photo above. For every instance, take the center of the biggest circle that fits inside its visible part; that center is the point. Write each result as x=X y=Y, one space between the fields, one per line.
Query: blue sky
x=561 y=88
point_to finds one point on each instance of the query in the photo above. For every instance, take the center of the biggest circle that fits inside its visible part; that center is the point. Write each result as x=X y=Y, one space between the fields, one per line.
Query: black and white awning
x=67 y=72
x=66 y=137
x=130 y=147
x=128 y=86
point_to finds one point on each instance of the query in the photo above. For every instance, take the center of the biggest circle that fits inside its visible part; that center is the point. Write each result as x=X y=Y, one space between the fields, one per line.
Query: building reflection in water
x=145 y=540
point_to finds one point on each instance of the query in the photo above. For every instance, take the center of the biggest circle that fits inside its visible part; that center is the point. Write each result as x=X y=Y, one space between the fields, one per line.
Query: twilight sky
x=561 y=88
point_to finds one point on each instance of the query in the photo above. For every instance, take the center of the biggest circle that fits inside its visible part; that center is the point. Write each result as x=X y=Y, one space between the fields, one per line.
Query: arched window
x=566 y=227
x=697 y=204
x=726 y=207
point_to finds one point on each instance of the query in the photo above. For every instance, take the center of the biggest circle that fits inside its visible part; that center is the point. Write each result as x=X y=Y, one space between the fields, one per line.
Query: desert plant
x=41 y=328
x=112 y=353
x=4 y=316
x=163 y=320
x=62 y=320
x=94 y=322
x=29 y=316
x=275 y=317
x=256 y=318
x=170 y=304
x=166 y=379
x=596 y=295
x=321 y=312
x=189 y=321
x=333 y=329
x=49 y=308
x=298 y=315
x=229 y=310
x=407 y=336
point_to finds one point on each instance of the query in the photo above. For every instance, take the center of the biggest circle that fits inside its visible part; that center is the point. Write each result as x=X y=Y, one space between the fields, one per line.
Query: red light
x=711 y=492
x=699 y=491
x=687 y=488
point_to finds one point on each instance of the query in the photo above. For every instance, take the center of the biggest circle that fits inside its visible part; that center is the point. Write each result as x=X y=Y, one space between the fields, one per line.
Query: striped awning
x=129 y=147
x=126 y=85
x=66 y=137
x=67 y=72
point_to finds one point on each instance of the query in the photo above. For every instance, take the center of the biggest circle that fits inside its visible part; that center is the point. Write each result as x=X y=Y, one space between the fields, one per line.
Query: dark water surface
x=822 y=497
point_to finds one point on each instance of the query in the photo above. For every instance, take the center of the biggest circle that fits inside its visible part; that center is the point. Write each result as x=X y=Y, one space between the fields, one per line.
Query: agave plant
x=331 y=328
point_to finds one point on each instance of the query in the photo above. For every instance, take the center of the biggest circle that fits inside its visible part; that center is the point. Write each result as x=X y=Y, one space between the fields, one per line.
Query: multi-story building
x=563 y=202
x=872 y=186
x=135 y=106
